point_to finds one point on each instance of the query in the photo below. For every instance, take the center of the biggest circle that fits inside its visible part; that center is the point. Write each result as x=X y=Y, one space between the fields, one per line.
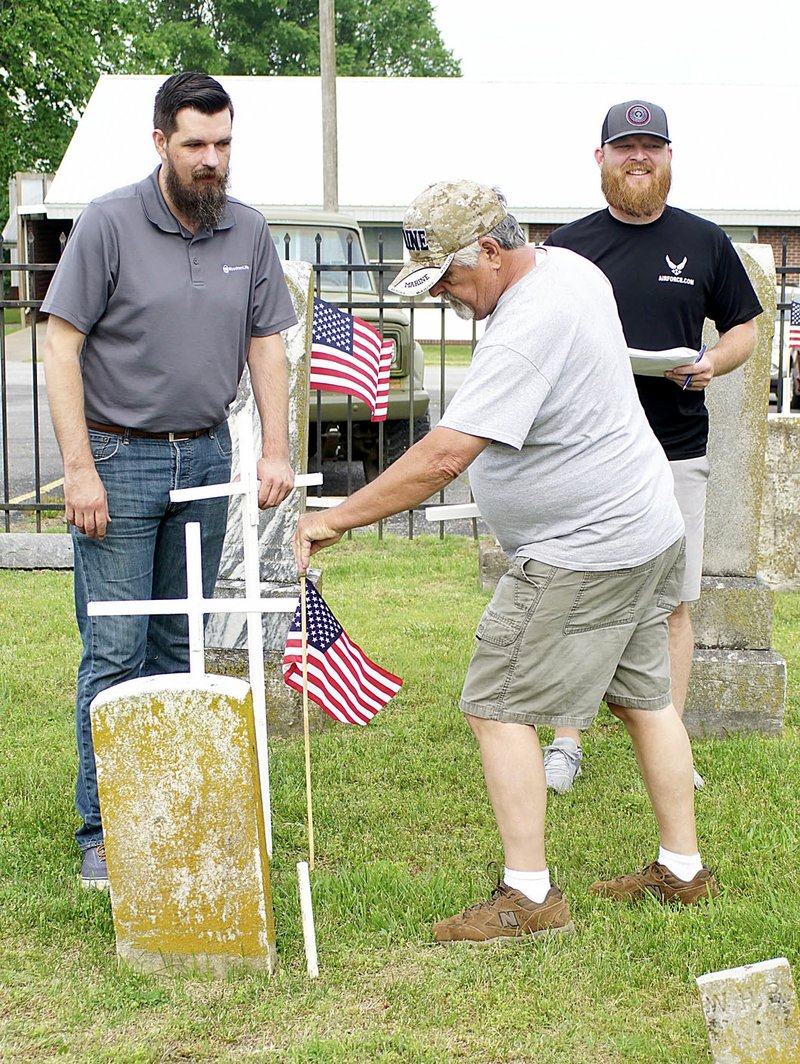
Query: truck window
x=301 y=242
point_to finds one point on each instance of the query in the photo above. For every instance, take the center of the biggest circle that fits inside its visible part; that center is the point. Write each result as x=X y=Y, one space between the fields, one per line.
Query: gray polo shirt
x=168 y=315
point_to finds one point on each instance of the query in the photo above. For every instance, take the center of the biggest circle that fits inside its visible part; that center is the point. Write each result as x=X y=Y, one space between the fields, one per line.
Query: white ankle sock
x=683 y=866
x=533 y=885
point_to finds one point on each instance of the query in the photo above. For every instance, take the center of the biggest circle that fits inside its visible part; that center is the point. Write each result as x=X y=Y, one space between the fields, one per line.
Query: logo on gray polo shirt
x=233 y=269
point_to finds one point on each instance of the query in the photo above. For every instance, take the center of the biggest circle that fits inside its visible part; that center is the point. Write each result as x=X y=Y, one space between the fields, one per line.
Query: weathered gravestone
x=226 y=634
x=738 y=682
x=187 y=826
x=751 y=1014
x=185 y=840
x=779 y=561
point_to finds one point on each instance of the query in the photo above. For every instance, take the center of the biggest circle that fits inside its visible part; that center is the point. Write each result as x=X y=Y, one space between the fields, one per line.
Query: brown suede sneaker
x=657 y=880
x=509 y=914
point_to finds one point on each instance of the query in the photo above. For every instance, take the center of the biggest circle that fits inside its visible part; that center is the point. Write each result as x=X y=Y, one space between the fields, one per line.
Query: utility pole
x=327 y=65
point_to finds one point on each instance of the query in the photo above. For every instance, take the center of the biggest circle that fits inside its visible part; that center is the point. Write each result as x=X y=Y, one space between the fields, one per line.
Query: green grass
x=403 y=834
x=454 y=354
x=12 y=319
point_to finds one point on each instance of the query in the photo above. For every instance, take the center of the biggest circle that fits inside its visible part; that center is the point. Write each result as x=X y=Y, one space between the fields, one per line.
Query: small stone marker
x=187 y=856
x=751 y=1014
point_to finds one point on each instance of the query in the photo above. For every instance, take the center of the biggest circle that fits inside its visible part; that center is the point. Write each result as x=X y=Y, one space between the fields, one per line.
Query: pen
x=688 y=380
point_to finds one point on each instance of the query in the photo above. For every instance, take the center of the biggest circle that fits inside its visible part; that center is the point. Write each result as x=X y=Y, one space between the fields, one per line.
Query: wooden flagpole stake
x=306 y=736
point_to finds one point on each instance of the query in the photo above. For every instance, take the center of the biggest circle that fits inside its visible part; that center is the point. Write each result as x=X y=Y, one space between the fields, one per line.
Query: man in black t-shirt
x=669 y=270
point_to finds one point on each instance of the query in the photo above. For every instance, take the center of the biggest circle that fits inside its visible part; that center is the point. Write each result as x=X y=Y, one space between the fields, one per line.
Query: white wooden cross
x=452 y=511
x=195 y=605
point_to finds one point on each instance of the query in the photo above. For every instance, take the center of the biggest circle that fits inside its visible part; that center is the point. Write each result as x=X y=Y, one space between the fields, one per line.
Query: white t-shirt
x=574 y=476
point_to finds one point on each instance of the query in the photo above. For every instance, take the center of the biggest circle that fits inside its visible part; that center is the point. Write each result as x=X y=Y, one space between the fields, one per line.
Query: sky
x=703 y=41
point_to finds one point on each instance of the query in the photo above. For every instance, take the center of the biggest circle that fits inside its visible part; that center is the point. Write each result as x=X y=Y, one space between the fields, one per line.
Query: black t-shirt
x=668 y=276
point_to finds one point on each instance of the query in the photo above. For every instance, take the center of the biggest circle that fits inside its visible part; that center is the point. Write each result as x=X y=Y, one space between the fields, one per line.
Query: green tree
x=53 y=51
x=373 y=37
x=51 y=55
x=391 y=38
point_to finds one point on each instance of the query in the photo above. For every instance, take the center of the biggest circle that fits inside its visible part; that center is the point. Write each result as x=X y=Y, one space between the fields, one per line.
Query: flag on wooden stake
x=341 y=678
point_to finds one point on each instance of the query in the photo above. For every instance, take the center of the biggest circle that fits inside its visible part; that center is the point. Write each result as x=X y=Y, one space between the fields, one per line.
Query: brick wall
x=539 y=231
x=774 y=235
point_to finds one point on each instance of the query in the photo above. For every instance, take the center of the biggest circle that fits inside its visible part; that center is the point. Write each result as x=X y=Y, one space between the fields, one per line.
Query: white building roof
x=735 y=158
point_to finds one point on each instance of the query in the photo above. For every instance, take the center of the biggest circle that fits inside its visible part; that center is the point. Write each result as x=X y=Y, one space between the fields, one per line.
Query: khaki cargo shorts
x=553 y=643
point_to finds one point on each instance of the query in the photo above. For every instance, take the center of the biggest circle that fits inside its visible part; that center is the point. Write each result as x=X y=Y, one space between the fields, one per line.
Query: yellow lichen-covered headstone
x=180 y=798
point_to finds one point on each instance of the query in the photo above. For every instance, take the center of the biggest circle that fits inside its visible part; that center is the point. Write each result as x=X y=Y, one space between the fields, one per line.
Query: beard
x=635 y=201
x=461 y=309
x=203 y=204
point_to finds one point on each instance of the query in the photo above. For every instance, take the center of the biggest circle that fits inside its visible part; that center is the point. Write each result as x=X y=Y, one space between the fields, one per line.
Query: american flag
x=350 y=356
x=794 y=321
x=341 y=678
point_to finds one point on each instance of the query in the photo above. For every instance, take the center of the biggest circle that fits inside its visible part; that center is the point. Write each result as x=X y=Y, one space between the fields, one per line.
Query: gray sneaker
x=94 y=870
x=562 y=764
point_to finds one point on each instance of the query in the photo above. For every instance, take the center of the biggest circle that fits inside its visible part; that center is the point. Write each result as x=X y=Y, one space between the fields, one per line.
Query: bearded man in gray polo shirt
x=576 y=488
x=166 y=289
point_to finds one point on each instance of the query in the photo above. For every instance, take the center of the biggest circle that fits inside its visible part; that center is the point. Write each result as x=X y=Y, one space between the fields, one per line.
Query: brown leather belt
x=118 y=430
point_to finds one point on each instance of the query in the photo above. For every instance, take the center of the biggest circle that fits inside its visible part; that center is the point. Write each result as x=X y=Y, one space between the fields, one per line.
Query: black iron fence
x=344 y=444
x=24 y=421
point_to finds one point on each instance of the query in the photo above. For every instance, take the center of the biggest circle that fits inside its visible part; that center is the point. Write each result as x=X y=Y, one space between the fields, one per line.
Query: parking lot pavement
x=18 y=344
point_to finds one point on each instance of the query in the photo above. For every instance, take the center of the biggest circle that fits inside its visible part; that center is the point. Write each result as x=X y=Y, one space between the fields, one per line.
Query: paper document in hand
x=656 y=363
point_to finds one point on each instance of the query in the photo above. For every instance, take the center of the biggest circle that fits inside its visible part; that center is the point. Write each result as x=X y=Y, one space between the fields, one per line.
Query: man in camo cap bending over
x=577 y=490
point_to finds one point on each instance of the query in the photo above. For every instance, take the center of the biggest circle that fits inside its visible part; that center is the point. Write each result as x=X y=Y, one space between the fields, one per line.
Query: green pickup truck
x=334 y=240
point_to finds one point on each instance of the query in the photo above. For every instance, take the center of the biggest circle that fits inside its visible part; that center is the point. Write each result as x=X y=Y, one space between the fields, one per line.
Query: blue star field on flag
x=348 y=355
x=341 y=678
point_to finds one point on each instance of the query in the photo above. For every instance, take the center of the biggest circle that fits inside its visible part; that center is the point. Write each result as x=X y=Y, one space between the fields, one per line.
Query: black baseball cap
x=634 y=116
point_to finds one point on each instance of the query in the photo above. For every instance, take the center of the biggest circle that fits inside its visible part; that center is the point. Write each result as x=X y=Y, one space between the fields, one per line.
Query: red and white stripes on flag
x=794 y=322
x=341 y=678
x=350 y=356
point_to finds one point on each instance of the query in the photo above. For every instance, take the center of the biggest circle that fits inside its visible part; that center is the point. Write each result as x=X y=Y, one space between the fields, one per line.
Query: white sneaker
x=562 y=764
x=699 y=782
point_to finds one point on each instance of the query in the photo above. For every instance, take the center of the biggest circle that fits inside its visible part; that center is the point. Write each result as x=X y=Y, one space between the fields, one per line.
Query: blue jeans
x=142 y=557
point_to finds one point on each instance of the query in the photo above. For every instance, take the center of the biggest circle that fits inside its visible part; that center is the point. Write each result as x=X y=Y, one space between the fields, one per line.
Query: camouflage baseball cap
x=445 y=218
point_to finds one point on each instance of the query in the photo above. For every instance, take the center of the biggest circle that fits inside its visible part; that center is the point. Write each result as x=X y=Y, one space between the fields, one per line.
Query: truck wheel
x=395 y=443
x=395 y=437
